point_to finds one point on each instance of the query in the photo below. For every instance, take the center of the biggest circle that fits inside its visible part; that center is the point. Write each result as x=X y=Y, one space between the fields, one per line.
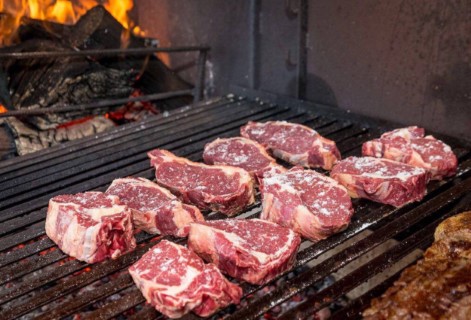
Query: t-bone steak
x=408 y=145
x=381 y=180
x=243 y=153
x=253 y=250
x=306 y=201
x=176 y=281
x=294 y=143
x=219 y=188
x=154 y=209
x=90 y=226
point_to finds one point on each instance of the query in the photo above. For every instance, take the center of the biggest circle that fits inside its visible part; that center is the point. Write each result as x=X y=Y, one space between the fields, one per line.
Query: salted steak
x=411 y=146
x=90 y=226
x=311 y=204
x=294 y=143
x=253 y=250
x=154 y=209
x=176 y=281
x=219 y=188
x=243 y=153
x=381 y=180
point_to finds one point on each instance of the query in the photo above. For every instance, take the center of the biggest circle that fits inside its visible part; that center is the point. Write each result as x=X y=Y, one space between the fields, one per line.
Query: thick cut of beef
x=176 y=281
x=438 y=286
x=408 y=145
x=154 y=209
x=90 y=226
x=293 y=143
x=220 y=188
x=243 y=153
x=381 y=180
x=306 y=201
x=252 y=250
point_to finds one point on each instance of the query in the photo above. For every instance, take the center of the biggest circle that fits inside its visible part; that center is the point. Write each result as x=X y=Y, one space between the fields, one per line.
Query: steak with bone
x=381 y=180
x=311 y=204
x=219 y=188
x=253 y=250
x=243 y=153
x=411 y=146
x=438 y=286
x=90 y=226
x=294 y=143
x=154 y=209
x=176 y=281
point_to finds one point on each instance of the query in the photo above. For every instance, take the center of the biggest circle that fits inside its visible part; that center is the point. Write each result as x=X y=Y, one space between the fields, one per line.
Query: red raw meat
x=252 y=250
x=408 y=145
x=306 y=201
x=176 y=281
x=381 y=180
x=219 y=188
x=293 y=143
x=154 y=209
x=90 y=226
x=243 y=153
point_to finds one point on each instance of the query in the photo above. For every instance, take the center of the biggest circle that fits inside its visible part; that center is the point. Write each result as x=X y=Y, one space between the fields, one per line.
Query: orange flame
x=61 y=11
x=3 y=109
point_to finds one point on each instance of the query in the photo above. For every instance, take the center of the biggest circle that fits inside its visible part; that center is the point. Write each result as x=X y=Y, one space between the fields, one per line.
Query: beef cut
x=294 y=143
x=90 y=226
x=243 y=153
x=253 y=250
x=381 y=180
x=176 y=281
x=220 y=188
x=306 y=201
x=438 y=286
x=154 y=209
x=410 y=145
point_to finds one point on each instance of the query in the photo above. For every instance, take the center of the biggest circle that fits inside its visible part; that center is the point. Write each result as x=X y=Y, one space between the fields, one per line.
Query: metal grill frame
x=28 y=182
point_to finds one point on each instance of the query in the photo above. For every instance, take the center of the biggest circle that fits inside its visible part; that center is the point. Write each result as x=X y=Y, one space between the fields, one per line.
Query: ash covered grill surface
x=38 y=280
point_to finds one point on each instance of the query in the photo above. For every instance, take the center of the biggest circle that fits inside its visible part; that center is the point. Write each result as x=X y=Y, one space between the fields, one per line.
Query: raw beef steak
x=293 y=143
x=219 y=188
x=243 y=153
x=154 y=209
x=381 y=180
x=252 y=250
x=306 y=201
x=408 y=145
x=176 y=281
x=90 y=226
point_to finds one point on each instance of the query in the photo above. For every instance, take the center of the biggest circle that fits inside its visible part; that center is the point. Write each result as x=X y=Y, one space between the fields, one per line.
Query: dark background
x=407 y=61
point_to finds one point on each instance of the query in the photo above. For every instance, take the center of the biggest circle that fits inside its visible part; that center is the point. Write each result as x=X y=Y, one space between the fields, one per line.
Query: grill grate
x=38 y=280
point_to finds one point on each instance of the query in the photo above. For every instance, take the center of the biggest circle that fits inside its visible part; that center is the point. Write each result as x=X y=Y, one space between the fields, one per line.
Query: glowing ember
x=3 y=109
x=61 y=11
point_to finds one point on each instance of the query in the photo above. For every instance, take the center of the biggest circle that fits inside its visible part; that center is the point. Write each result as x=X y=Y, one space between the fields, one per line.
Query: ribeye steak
x=408 y=145
x=176 y=281
x=253 y=250
x=293 y=143
x=90 y=226
x=155 y=209
x=220 y=188
x=381 y=180
x=243 y=153
x=306 y=201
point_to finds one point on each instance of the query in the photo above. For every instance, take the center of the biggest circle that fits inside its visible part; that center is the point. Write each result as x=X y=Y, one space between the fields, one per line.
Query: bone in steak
x=90 y=226
x=381 y=180
x=154 y=209
x=176 y=281
x=293 y=143
x=438 y=286
x=220 y=188
x=306 y=201
x=408 y=145
x=253 y=250
x=243 y=153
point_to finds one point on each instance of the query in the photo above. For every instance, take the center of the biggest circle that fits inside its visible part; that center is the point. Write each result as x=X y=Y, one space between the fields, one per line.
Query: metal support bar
x=254 y=42
x=302 y=50
x=199 y=88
